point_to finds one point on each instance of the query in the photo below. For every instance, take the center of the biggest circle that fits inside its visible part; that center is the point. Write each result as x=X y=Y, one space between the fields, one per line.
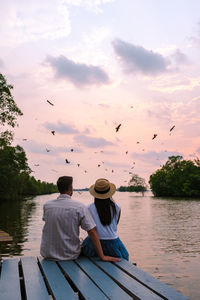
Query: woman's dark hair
x=106 y=210
x=64 y=183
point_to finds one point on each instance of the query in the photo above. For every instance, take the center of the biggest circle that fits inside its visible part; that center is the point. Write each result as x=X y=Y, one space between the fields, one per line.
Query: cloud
x=136 y=58
x=92 y=5
x=86 y=131
x=79 y=74
x=41 y=148
x=61 y=128
x=33 y=20
x=180 y=57
x=195 y=39
x=162 y=112
x=1 y=63
x=92 y=142
x=116 y=165
x=103 y=105
x=153 y=156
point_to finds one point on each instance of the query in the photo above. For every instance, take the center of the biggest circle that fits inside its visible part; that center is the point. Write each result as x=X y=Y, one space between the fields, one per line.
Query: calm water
x=161 y=235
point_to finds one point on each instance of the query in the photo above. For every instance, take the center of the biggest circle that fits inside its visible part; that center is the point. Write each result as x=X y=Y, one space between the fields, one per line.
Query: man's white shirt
x=60 y=236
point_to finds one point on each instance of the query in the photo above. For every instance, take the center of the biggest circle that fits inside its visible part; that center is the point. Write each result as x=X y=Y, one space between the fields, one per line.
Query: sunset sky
x=103 y=63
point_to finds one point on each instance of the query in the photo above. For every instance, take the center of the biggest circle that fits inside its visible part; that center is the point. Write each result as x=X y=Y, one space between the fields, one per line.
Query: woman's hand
x=97 y=245
x=110 y=258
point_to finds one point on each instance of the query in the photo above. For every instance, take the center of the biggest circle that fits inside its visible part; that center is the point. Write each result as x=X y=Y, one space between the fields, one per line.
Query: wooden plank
x=110 y=288
x=34 y=282
x=3 y=233
x=153 y=283
x=5 y=237
x=57 y=283
x=126 y=282
x=9 y=281
x=82 y=282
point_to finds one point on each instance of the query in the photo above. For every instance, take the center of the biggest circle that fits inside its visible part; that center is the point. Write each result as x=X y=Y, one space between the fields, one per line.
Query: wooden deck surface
x=34 y=278
x=5 y=237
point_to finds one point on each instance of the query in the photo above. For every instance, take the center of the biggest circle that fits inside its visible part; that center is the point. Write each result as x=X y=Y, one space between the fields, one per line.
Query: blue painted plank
x=125 y=281
x=156 y=285
x=57 y=282
x=9 y=281
x=34 y=282
x=104 y=282
x=82 y=282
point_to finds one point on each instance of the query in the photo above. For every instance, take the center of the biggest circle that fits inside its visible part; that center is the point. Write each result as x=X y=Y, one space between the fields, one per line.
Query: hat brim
x=103 y=196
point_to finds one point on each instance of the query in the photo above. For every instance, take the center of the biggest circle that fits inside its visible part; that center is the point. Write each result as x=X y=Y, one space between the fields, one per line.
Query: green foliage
x=136 y=184
x=177 y=178
x=15 y=175
x=136 y=189
x=9 y=111
x=137 y=181
x=15 y=179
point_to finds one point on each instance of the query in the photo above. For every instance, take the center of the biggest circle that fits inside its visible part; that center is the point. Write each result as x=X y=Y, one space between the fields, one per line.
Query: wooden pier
x=5 y=237
x=87 y=279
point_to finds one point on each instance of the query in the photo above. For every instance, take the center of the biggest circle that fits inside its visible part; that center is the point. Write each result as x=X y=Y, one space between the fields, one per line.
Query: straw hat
x=102 y=189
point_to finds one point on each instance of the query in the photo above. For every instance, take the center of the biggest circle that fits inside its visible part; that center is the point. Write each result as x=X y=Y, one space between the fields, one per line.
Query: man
x=63 y=218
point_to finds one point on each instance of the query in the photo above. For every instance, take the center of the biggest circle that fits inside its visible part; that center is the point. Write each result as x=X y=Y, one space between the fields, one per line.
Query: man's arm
x=97 y=245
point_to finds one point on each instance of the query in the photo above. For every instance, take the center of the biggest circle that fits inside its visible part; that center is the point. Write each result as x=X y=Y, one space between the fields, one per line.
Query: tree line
x=177 y=178
x=15 y=174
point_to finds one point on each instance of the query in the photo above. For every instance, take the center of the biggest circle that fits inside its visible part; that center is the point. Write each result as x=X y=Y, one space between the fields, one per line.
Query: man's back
x=60 y=236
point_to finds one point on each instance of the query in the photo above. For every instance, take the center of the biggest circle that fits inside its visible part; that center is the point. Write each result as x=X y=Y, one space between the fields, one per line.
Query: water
x=161 y=235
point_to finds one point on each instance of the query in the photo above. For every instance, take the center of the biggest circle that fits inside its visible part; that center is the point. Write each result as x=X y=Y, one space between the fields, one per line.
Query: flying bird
x=154 y=136
x=66 y=160
x=172 y=128
x=50 y=103
x=118 y=127
x=126 y=152
x=48 y=150
x=137 y=142
x=112 y=171
x=24 y=140
x=53 y=132
x=54 y=170
x=99 y=166
x=131 y=106
x=72 y=150
x=36 y=165
x=85 y=171
x=78 y=165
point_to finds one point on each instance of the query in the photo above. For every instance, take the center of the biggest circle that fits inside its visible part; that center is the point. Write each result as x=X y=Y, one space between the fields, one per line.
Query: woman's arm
x=119 y=216
x=97 y=245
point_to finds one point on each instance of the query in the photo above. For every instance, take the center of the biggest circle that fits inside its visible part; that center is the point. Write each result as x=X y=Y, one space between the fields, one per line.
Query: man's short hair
x=64 y=183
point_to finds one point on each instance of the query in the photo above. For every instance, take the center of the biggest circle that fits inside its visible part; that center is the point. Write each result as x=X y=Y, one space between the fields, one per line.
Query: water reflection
x=14 y=219
x=161 y=235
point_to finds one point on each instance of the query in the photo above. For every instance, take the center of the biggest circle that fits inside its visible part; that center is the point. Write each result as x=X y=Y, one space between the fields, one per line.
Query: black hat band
x=102 y=192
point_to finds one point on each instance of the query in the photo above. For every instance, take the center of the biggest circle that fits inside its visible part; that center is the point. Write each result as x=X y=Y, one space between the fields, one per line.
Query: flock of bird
x=117 y=128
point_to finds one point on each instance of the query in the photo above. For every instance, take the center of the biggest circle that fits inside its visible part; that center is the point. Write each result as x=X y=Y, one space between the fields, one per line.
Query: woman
x=106 y=215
